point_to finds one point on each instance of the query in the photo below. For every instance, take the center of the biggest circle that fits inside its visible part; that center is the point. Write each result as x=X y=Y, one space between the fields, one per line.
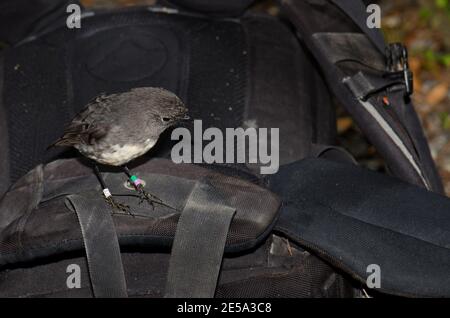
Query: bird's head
x=175 y=115
x=170 y=109
x=166 y=107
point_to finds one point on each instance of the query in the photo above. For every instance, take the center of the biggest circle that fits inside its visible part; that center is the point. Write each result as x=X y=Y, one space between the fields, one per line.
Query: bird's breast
x=117 y=154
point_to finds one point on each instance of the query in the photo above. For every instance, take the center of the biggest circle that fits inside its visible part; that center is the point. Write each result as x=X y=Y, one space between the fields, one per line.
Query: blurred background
x=424 y=26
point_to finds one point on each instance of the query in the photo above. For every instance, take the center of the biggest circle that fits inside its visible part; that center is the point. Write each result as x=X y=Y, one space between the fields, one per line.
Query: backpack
x=311 y=230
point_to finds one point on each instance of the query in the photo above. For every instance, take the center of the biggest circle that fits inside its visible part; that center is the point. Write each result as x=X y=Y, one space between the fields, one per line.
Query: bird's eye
x=165 y=119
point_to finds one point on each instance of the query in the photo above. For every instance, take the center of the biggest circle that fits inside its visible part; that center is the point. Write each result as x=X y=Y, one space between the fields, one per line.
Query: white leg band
x=106 y=193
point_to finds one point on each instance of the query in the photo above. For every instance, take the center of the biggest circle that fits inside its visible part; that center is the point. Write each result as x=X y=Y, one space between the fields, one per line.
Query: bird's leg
x=125 y=209
x=139 y=186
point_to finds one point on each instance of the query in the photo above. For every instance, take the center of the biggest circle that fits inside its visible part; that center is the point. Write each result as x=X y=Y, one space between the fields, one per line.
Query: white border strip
x=394 y=137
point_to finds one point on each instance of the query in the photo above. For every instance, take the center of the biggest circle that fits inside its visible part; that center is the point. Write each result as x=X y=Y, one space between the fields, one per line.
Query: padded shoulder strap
x=356 y=218
x=372 y=85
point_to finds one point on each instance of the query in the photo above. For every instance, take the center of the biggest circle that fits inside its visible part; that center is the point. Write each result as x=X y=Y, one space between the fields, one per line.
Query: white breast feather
x=118 y=155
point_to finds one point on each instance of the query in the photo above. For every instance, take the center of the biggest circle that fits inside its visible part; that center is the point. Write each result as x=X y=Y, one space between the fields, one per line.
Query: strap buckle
x=397 y=65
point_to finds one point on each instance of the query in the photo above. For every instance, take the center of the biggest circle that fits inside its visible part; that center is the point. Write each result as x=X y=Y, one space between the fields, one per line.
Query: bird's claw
x=146 y=196
x=117 y=206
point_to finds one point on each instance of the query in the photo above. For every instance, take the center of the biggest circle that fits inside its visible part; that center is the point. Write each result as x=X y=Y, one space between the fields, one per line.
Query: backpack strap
x=373 y=82
x=102 y=248
x=199 y=244
x=355 y=218
x=355 y=10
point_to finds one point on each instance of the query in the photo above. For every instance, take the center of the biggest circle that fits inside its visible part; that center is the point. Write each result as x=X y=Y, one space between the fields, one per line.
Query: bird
x=114 y=129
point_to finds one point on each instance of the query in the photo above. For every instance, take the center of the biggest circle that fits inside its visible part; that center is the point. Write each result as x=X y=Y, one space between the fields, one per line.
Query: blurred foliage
x=424 y=25
x=445 y=118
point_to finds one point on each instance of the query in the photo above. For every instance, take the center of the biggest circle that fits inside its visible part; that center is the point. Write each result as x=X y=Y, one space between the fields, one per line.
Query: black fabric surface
x=354 y=217
x=281 y=109
x=22 y=18
x=216 y=7
x=4 y=140
x=307 y=278
x=247 y=275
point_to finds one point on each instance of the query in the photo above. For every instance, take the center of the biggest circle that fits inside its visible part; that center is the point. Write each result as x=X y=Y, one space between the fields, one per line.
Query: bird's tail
x=64 y=141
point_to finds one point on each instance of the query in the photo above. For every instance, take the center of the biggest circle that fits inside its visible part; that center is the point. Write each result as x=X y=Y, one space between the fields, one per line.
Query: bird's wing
x=87 y=126
x=80 y=133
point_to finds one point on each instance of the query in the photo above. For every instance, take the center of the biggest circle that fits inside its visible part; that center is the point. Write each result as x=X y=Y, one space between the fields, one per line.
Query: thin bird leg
x=108 y=196
x=143 y=195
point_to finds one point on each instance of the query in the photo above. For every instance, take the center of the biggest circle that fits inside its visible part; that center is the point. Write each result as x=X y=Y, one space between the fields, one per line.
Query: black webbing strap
x=199 y=243
x=102 y=248
x=362 y=86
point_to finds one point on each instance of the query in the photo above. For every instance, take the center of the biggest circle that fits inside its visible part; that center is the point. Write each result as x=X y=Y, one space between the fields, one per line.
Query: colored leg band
x=106 y=193
x=135 y=180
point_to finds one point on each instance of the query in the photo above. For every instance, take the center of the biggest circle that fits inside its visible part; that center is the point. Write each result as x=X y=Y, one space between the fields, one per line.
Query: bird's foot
x=146 y=196
x=117 y=206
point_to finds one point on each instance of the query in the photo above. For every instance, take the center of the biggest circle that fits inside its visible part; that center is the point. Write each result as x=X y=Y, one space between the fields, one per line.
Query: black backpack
x=314 y=229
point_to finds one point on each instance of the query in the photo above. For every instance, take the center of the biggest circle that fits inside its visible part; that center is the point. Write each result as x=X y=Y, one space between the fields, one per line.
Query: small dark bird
x=115 y=129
